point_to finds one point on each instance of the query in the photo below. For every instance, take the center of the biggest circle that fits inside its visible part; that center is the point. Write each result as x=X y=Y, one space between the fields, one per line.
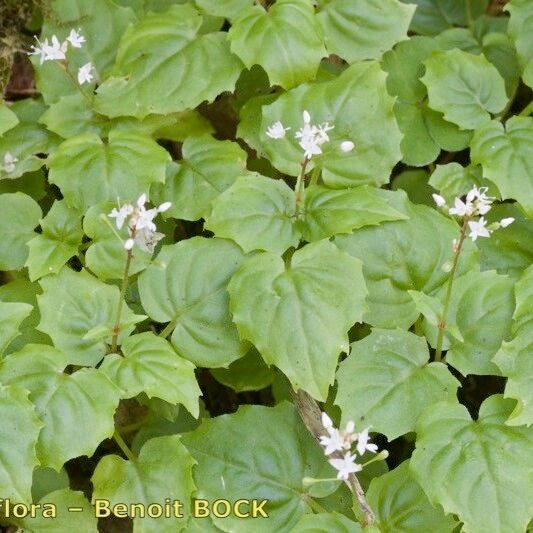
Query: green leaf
x=102 y=23
x=62 y=400
x=257 y=213
x=150 y=365
x=364 y=29
x=106 y=256
x=26 y=140
x=186 y=285
x=161 y=66
x=402 y=256
x=11 y=317
x=481 y=307
x=20 y=215
x=227 y=445
x=402 y=507
x=295 y=42
x=89 y=171
x=465 y=87
x=162 y=470
x=505 y=154
x=484 y=459
x=453 y=180
x=357 y=96
x=8 y=119
x=20 y=429
x=415 y=184
x=330 y=522
x=207 y=169
x=228 y=9
x=61 y=235
x=328 y=212
x=47 y=480
x=387 y=381
x=74 y=303
x=514 y=356
x=275 y=306
x=65 y=520
x=510 y=250
x=246 y=374
x=520 y=31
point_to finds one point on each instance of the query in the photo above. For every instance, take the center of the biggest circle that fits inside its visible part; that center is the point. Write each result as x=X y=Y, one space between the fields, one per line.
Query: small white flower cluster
x=476 y=203
x=311 y=137
x=9 y=162
x=57 y=50
x=141 y=228
x=341 y=441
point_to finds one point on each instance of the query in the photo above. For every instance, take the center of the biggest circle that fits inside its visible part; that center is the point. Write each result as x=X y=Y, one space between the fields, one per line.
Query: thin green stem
x=299 y=189
x=116 y=327
x=444 y=316
x=527 y=110
x=123 y=446
x=65 y=66
x=164 y=333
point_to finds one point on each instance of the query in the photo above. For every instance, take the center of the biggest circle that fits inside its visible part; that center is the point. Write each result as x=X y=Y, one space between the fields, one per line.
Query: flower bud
x=347 y=146
x=504 y=222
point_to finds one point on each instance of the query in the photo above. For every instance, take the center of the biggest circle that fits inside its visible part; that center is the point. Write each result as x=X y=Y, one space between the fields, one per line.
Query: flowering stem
x=311 y=416
x=455 y=260
x=123 y=446
x=116 y=327
x=75 y=83
x=167 y=330
x=300 y=186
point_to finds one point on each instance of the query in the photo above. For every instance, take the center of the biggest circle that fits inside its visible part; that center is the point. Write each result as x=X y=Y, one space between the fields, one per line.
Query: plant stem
x=315 y=173
x=164 y=333
x=299 y=189
x=527 y=110
x=75 y=83
x=455 y=260
x=123 y=446
x=116 y=327
x=311 y=416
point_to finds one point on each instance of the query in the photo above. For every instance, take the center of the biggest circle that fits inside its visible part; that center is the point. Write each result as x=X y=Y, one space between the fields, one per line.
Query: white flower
x=56 y=50
x=146 y=239
x=276 y=131
x=121 y=214
x=461 y=208
x=9 y=162
x=345 y=466
x=75 y=38
x=39 y=50
x=128 y=245
x=347 y=146
x=504 y=222
x=439 y=200
x=363 y=444
x=85 y=73
x=312 y=137
x=478 y=229
x=336 y=440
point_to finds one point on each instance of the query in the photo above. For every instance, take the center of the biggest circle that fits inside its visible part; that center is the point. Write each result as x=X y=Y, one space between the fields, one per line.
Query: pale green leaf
x=262 y=453
x=162 y=470
x=330 y=522
x=402 y=507
x=364 y=29
x=258 y=213
x=19 y=433
x=186 y=285
x=8 y=119
x=286 y=41
x=11 y=317
x=89 y=171
x=47 y=480
x=228 y=9
x=162 y=66
x=106 y=256
x=514 y=357
x=20 y=215
x=387 y=381
x=506 y=155
x=151 y=365
x=480 y=470
x=520 y=29
x=64 y=520
x=61 y=235
x=402 y=256
x=207 y=169
x=72 y=304
x=415 y=184
x=276 y=305
x=328 y=211
x=465 y=87
x=358 y=96
x=452 y=180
